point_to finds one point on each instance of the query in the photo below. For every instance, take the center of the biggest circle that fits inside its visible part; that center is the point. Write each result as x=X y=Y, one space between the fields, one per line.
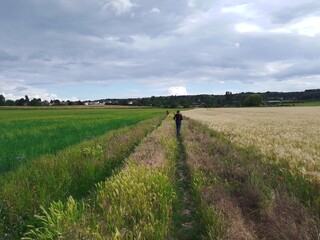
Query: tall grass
x=136 y=203
x=28 y=134
x=72 y=171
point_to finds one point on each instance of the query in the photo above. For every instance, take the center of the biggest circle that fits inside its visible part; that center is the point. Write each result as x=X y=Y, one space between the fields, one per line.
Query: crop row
x=242 y=197
x=72 y=171
x=135 y=203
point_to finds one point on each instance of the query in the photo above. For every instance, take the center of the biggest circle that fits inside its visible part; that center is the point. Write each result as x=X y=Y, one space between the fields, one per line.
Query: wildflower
x=34 y=187
x=281 y=178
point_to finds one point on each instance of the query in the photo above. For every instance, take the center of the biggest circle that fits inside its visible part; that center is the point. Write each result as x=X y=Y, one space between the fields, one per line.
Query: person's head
x=178 y=111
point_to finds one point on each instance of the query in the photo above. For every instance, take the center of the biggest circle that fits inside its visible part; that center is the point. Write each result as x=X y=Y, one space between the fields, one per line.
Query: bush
x=253 y=100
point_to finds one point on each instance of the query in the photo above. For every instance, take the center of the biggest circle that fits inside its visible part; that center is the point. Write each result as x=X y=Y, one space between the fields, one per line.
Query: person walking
x=178 y=118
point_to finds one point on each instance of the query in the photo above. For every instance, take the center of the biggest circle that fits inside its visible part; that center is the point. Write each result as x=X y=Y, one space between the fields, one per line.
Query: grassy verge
x=243 y=197
x=72 y=171
x=135 y=203
x=308 y=104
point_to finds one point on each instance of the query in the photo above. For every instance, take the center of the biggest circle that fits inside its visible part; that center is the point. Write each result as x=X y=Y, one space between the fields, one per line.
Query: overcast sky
x=93 y=49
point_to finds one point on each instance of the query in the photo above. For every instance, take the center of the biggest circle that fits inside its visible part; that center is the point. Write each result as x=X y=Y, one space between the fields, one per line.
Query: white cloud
x=276 y=67
x=177 y=91
x=308 y=26
x=191 y=3
x=247 y=27
x=14 y=89
x=119 y=6
x=146 y=43
x=242 y=9
x=155 y=10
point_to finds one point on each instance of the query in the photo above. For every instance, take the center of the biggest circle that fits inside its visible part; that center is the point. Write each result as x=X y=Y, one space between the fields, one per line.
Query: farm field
x=135 y=203
x=145 y=182
x=74 y=169
x=27 y=134
x=192 y=187
x=286 y=134
x=241 y=196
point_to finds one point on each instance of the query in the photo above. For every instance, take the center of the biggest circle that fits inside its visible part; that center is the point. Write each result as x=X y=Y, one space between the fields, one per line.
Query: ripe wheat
x=281 y=134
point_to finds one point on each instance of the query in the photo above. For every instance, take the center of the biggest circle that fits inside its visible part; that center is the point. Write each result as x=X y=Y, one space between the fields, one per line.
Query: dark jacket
x=178 y=118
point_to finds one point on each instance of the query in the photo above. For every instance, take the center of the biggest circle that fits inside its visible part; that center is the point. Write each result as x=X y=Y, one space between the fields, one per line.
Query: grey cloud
x=77 y=41
x=271 y=47
x=20 y=89
x=5 y=56
x=290 y=13
x=300 y=70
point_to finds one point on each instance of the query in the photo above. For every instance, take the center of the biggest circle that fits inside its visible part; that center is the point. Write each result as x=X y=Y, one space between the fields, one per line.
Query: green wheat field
x=27 y=134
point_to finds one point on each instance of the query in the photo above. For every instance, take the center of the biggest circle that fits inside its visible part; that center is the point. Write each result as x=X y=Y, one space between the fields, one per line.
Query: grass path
x=186 y=224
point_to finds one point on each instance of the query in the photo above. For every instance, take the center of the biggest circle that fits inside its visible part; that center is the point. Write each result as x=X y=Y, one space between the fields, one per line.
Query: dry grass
x=152 y=151
x=204 y=157
x=228 y=210
x=281 y=134
x=287 y=219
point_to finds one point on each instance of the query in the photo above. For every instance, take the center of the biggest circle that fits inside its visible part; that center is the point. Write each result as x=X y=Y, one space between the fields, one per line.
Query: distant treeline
x=228 y=99
x=36 y=102
x=204 y=100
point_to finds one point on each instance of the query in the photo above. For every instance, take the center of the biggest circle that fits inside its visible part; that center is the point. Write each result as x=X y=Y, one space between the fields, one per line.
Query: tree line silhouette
x=186 y=101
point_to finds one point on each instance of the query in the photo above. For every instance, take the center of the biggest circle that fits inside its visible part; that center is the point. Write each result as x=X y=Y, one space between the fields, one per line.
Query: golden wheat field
x=289 y=134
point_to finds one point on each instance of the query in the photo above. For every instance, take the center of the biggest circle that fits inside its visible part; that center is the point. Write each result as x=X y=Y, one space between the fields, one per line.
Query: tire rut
x=186 y=224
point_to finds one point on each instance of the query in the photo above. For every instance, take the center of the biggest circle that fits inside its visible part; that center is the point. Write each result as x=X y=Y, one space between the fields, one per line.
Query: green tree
x=208 y=101
x=185 y=102
x=228 y=98
x=253 y=100
x=20 y=102
x=35 y=102
x=56 y=102
x=172 y=102
x=2 y=100
x=26 y=99
x=10 y=103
